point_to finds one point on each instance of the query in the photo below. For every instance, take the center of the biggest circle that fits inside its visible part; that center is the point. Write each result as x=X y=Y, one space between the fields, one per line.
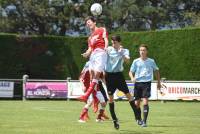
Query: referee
x=114 y=76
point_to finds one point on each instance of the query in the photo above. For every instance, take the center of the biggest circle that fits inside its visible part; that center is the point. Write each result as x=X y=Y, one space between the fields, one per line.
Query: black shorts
x=142 y=90
x=116 y=81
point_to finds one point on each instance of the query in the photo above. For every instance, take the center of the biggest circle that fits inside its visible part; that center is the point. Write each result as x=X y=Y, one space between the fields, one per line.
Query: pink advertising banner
x=46 y=90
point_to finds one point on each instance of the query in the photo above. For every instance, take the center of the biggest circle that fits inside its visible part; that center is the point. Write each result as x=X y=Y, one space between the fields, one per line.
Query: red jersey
x=85 y=79
x=96 y=39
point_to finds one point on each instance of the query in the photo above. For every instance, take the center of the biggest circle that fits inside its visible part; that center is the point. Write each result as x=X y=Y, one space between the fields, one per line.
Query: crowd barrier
x=26 y=88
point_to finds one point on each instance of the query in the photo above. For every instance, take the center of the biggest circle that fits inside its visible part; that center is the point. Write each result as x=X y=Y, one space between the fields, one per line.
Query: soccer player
x=141 y=73
x=85 y=80
x=114 y=76
x=97 y=43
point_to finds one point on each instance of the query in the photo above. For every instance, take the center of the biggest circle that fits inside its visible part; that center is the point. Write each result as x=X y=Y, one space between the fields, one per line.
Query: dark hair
x=144 y=45
x=93 y=19
x=116 y=38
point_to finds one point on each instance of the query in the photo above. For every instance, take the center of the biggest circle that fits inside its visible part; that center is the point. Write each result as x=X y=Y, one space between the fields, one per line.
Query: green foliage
x=41 y=57
x=58 y=17
x=176 y=53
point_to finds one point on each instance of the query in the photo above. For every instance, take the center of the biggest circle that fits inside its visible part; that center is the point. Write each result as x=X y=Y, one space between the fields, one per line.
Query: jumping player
x=114 y=76
x=97 y=43
x=141 y=73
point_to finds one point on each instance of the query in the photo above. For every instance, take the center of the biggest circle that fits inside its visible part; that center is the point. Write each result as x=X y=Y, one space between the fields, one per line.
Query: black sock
x=145 y=112
x=112 y=111
x=137 y=111
x=134 y=108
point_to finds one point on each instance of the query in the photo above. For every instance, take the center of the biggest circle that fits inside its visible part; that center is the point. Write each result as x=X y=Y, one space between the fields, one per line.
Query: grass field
x=60 y=117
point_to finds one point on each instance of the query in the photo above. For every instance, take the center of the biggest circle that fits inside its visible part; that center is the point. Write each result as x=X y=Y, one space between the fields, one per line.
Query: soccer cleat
x=139 y=122
x=116 y=124
x=83 y=98
x=104 y=117
x=144 y=124
x=81 y=121
x=99 y=120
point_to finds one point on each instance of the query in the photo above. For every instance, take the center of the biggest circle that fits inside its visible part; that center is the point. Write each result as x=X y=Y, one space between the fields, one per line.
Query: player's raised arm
x=105 y=37
x=106 y=42
x=126 y=55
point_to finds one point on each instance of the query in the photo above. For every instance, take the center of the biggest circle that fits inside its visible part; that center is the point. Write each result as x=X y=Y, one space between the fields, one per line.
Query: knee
x=111 y=100
x=130 y=98
x=103 y=104
x=137 y=103
x=145 y=101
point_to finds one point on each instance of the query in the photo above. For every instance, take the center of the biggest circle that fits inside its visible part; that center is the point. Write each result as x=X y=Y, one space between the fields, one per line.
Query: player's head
x=90 y=22
x=143 y=50
x=115 y=39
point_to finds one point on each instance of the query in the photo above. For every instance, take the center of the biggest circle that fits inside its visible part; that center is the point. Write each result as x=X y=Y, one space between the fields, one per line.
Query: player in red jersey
x=97 y=43
x=85 y=80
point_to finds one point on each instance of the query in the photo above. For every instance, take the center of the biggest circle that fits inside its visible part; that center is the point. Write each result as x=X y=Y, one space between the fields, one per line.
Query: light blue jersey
x=116 y=59
x=143 y=69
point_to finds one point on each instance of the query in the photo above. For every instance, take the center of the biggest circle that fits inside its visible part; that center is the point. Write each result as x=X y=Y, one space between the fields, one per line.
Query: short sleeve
x=126 y=53
x=105 y=33
x=133 y=67
x=155 y=67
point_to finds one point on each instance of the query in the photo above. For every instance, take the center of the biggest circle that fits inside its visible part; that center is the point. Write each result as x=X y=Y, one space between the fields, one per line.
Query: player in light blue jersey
x=141 y=72
x=114 y=76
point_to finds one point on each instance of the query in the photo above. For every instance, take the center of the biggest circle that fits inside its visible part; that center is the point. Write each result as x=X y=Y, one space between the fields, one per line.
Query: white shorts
x=98 y=60
x=100 y=97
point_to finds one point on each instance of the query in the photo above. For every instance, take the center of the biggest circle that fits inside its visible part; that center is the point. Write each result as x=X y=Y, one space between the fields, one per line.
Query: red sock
x=84 y=111
x=101 y=112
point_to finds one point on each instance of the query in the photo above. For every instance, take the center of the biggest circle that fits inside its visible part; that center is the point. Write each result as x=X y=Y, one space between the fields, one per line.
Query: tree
x=37 y=17
x=66 y=17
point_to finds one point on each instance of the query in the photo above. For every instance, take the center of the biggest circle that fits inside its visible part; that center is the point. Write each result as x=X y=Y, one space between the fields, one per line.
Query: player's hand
x=133 y=80
x=85 y=55
x=158 y=86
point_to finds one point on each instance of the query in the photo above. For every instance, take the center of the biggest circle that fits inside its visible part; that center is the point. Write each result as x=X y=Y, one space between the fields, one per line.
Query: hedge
x=40 y=57
x=176 y=52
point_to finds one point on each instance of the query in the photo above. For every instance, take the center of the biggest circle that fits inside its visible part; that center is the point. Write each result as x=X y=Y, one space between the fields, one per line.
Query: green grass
x=60 y=117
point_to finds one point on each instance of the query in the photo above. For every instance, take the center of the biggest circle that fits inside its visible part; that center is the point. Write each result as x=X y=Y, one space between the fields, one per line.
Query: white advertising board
x=74 y=89
x=172 y=90
x=180 y=91
x=6 y=89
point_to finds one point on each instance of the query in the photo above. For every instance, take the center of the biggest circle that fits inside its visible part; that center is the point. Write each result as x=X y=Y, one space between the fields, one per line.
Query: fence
x=26 y=88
